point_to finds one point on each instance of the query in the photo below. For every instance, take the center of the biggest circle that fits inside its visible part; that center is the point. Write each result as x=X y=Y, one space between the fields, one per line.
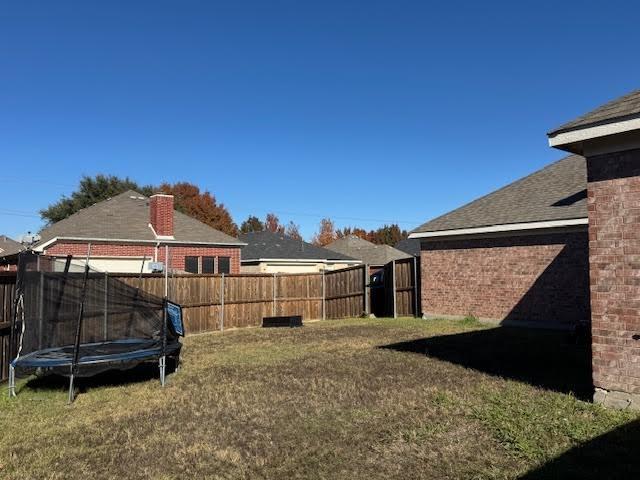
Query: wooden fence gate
x=402 y=288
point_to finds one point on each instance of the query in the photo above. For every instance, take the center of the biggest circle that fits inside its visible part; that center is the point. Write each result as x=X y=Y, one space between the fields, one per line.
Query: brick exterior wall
x=176 y=253
x=532 y=278
x=614 y=244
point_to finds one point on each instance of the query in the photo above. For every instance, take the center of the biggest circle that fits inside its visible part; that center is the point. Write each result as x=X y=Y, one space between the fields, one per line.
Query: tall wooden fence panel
x=345 y=292
x=402 y=288
x=216 y=302
x=7 y=283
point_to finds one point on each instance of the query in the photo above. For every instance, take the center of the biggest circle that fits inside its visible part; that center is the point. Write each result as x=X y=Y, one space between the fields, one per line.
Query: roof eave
x=300 y=260
x=44 y=245
x=504 y=228
x=572 y=139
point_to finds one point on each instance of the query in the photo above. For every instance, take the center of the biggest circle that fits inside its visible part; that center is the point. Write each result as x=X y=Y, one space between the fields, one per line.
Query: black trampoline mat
x=115 y=351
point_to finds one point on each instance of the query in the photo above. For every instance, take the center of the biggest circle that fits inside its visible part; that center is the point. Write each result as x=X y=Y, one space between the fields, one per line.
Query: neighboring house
x=277 y=253
x=555 y=248
x=517 y=255
x=129 y=229
x=9 y=250
x=376 y=256
x=410 y=246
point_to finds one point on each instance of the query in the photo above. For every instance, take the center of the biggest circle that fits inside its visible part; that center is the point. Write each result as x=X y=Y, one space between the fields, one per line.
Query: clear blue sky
x=366 y=112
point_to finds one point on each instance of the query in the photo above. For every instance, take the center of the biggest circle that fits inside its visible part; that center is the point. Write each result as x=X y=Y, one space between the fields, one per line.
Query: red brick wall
x=161 y=214
x=176 y=253
x=614 y=244
x=533 y=278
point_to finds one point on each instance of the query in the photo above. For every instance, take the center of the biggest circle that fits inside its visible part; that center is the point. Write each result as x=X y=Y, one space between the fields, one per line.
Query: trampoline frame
x=76 y=360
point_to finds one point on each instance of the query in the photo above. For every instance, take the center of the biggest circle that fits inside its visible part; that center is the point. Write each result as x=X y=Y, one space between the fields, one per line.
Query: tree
x=293 y=230
x=201 y=205
x=326 y=233
x=358 y=232
x=91 y=190
x=272 y=224
x=252 y=224
x=389 y=235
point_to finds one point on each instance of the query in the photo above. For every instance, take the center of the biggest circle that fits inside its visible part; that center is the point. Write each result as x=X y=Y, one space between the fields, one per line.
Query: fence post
x=324 y=298
x=40 y=307
x=415 y=287
x=367 y=291
x=106 y=305
x=393 y=276
x=222 y=303
x=273 y=306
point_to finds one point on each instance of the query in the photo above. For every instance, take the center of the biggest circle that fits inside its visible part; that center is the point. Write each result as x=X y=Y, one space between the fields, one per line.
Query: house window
x=208 y=264
x=191 y=264
x=224 y=265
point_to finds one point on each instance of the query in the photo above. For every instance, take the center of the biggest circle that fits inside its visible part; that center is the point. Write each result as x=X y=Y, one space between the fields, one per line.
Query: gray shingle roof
x=368 y=252
x=410 y=246
x=126 y=216
x=9 y=247
x=615 y=110
x=557 y=192
x=263 y=245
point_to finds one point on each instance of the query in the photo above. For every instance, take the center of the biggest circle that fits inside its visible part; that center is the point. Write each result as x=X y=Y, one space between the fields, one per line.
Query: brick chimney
x=161 y=214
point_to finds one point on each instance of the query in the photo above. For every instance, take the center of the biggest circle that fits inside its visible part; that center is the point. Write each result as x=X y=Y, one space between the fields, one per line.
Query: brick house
x=9 y=250
x=557 y=247
x=517 y=256
x=129 y=229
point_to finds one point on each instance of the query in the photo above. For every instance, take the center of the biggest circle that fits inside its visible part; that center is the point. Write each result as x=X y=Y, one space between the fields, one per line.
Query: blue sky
x=366 y=112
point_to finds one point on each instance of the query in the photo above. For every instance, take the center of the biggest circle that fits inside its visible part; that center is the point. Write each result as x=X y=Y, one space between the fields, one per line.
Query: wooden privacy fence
x=7 y=289
x=216 y=302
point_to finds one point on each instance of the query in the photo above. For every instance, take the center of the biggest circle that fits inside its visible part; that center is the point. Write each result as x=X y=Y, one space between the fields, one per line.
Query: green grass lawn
x=354 y=399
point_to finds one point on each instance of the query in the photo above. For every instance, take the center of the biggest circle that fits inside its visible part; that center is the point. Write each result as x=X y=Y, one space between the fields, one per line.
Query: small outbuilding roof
x=126 y=217
x=556 y=192
x=368 y=252
x=9 y=247
x=268 y=245
x=410 y=246
x=613 y=111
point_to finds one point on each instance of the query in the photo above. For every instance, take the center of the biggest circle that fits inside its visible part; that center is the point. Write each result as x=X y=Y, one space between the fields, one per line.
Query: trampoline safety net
x=120 y=324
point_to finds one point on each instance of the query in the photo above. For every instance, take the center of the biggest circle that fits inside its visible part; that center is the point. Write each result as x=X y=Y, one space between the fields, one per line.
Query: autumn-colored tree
x=358 y=232
x=252 y=224
x=326 y=233
x=272 y=224
x=201 y=205
x=293 y=230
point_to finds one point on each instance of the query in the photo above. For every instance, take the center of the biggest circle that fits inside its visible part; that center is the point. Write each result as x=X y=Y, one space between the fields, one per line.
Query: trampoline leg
x=12 y=381
x=71 y=393
x=162 y=364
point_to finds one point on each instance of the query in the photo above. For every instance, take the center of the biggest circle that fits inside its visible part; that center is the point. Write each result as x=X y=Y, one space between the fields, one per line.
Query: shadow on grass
x=613 y=455
x=543 y=358
x=142 y=372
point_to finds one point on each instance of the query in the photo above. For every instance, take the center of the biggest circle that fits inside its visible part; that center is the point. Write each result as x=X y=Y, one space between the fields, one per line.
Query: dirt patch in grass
x=330 y=400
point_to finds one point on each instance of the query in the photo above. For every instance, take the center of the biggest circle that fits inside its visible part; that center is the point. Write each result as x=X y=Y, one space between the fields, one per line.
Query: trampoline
x=72 y=321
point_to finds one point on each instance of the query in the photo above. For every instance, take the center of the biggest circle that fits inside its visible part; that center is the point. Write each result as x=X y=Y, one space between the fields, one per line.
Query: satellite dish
x=29 y=238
